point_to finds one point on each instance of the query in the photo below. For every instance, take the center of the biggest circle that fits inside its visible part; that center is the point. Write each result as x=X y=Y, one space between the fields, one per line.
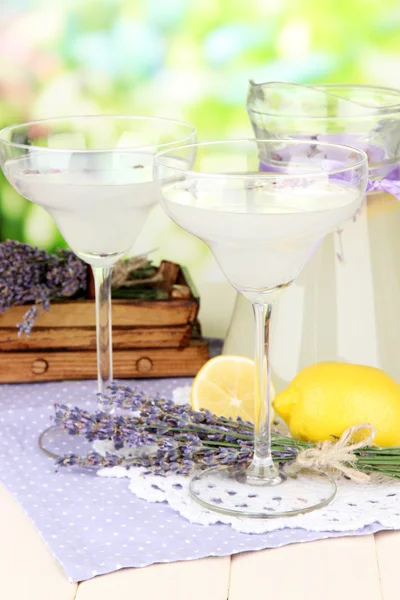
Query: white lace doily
x=355 y=506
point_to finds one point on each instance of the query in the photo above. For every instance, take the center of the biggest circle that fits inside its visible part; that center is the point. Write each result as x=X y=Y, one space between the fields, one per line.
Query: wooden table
x=364 y=567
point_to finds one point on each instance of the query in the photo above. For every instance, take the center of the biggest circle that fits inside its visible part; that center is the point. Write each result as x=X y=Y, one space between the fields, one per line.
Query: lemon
x=324 y=399
x=225 y=386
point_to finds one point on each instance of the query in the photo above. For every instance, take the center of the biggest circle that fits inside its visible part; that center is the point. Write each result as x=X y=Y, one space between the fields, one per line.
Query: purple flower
x=169 y=438
x=31 y=275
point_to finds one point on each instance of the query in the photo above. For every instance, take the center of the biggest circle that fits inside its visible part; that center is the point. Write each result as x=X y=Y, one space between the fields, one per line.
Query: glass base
x=228 y=491
x=56 y=442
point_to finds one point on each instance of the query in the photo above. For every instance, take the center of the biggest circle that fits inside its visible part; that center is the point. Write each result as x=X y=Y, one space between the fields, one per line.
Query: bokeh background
x=186 y=59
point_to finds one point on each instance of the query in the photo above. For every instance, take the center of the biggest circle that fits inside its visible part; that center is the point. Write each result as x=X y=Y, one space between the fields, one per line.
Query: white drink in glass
x=263 y=238
x=99 y=210
x=262 y=228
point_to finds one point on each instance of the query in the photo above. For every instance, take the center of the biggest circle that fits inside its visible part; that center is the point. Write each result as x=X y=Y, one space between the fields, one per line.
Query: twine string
x=339 y=455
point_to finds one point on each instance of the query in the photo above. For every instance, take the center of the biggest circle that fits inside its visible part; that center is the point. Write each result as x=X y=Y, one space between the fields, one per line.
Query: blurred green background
x=187 y=59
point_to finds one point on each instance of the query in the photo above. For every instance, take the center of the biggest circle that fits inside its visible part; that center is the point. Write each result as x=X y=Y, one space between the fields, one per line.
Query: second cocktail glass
x=262 y=206
x=94 y=175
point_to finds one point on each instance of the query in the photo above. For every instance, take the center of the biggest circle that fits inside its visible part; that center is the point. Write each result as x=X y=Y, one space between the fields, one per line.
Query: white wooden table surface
x=353 y=568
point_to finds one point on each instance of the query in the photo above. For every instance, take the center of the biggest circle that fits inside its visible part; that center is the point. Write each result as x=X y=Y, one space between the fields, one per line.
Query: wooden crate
x=151 y=338
x=136 y=323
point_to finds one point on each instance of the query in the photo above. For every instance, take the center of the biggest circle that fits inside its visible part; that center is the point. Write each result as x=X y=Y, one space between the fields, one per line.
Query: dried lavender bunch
x=174 y=438
x=29 y=274
x=180 y=438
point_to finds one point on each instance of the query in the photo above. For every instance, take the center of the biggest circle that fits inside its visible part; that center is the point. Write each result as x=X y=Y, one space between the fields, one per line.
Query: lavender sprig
x=180 y=439
x=167 y=437
x=29 y=274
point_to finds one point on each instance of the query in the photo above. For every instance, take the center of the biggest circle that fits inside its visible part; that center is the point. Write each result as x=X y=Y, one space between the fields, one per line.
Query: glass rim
x=261 y=174
x=117 y=117
x=370 y=111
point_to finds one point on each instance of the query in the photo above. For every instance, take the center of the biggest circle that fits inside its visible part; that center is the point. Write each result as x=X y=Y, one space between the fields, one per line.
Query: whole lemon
x=324 y=399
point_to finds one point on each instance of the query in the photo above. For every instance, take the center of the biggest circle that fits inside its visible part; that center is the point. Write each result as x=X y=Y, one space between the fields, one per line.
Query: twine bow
x=338 y=455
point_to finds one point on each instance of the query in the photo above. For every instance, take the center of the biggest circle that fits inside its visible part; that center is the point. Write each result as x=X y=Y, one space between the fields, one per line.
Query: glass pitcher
x=345 y=305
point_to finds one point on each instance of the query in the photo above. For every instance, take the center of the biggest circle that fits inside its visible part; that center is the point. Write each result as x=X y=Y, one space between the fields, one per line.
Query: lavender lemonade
x=344 y=306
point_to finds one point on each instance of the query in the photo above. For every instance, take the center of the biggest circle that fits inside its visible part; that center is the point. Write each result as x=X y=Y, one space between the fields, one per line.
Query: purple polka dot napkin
x=94 y=525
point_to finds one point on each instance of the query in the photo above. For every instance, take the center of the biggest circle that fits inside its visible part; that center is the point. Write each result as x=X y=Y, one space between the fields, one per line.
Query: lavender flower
x=31 y=275
x=167 y=437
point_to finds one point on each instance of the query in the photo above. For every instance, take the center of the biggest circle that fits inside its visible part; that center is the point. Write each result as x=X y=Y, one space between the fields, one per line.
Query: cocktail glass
x=262 y=226
x=94 y=175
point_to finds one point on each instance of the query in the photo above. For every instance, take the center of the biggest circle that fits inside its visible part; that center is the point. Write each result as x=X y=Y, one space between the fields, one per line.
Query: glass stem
x=262 y=470
x=102 y=282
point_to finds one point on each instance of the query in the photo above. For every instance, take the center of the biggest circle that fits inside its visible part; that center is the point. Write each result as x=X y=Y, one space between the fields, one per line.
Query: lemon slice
x=225 y=386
